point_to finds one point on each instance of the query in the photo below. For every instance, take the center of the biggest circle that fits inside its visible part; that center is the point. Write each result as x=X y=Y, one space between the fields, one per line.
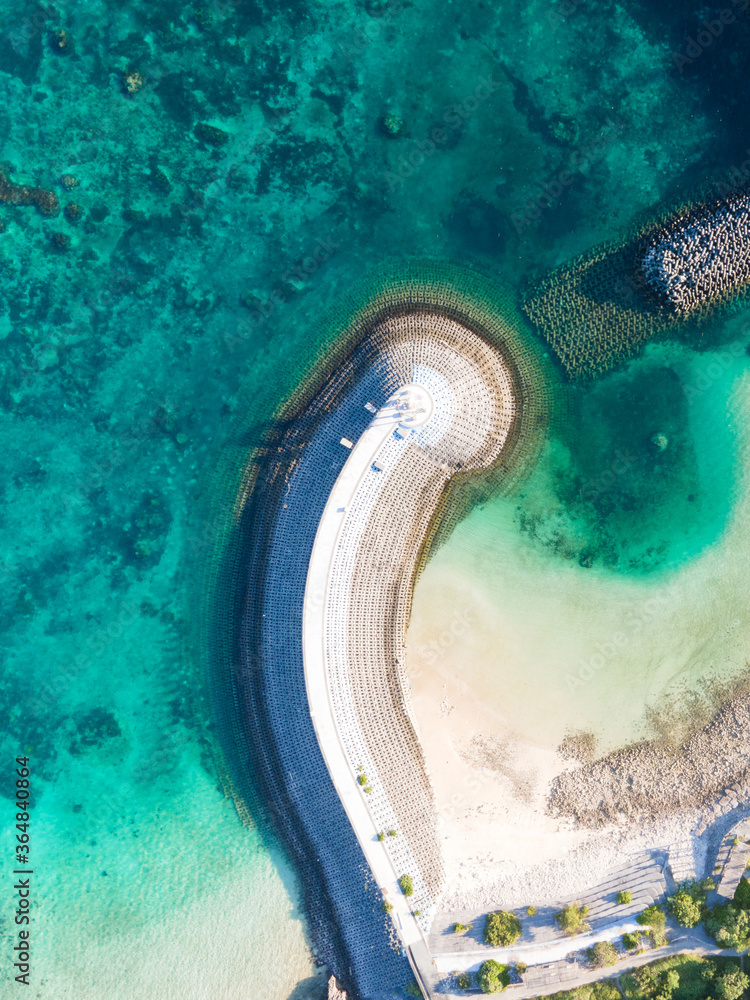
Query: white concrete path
x=357 y=467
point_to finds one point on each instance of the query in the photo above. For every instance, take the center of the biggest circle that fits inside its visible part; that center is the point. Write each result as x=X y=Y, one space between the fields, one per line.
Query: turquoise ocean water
x=236 y=166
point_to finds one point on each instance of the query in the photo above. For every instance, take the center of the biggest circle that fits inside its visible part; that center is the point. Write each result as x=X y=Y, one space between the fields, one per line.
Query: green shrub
x=387 y=906
x=572 y=919
x=464 y=982
x=501 y=928
x=742 y=894
x=729 y=926
x=381 y=836
x=530 y=911
x=624 y=897
x=492 y=977
x=362 y=779
x=652 y=916
x=521 y=968
x=602 y=954
x=658 y=939
x=461 y=928
x=631 y=941
x=412 y=990
x=392 y=833
x=407 y=885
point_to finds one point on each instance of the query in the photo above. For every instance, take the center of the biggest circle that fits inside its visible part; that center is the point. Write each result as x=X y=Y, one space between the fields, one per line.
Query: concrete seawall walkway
x=364 y=461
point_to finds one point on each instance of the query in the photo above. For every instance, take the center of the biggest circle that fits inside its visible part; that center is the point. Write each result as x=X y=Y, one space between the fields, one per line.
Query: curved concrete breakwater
x=452 y=410
x=345 y=500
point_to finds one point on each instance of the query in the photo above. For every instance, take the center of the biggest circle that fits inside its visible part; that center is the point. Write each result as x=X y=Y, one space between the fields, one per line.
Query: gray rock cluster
x=711 y=771
x=701 y=257
x=334 y=991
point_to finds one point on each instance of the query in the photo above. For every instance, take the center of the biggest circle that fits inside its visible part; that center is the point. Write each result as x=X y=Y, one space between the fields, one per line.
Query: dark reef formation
x=19 y=194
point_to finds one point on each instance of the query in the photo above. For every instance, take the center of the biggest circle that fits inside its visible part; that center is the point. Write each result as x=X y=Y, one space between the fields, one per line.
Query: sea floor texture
x=221 y=174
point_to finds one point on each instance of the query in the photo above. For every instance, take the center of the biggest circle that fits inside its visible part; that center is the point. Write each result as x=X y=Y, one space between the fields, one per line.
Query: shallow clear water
x=132 y=337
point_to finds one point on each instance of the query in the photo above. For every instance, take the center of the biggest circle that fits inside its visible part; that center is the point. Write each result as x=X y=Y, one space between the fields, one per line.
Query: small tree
x=572 y=919
x=530 y=911
x=624 y=897
x=464 y=982
x=492 y=977
x=521 y=968
x=407 y=885
x=631 y=941
x=686 y=910
x=362 y=779
x=501 y=928
x=655 y=985
x=652 y=916
x=729 y=926
x=387 y=906
x=730 y=985
x=381 y=836
x=461 y=928
x=602 y=954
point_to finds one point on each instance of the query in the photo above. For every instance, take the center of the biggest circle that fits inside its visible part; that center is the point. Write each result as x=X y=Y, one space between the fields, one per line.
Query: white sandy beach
x=511 y=648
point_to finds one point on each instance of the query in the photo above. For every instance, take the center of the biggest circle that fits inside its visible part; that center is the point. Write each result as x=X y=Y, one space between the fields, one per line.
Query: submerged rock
x=19 y=194
x=211 y=135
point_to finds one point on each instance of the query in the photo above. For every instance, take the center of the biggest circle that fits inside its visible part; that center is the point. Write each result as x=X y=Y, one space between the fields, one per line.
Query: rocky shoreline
x=652 y=781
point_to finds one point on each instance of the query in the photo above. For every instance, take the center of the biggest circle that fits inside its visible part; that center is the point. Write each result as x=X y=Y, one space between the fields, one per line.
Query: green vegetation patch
x=729 y=926
x=605 y=989
x=653 y=916
x=492 y=976
x=501 y=928
x=407 y=885
x=631 y=941
x=688 y=905
x=682 y=977
x=602 y=954
x=572 y=919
